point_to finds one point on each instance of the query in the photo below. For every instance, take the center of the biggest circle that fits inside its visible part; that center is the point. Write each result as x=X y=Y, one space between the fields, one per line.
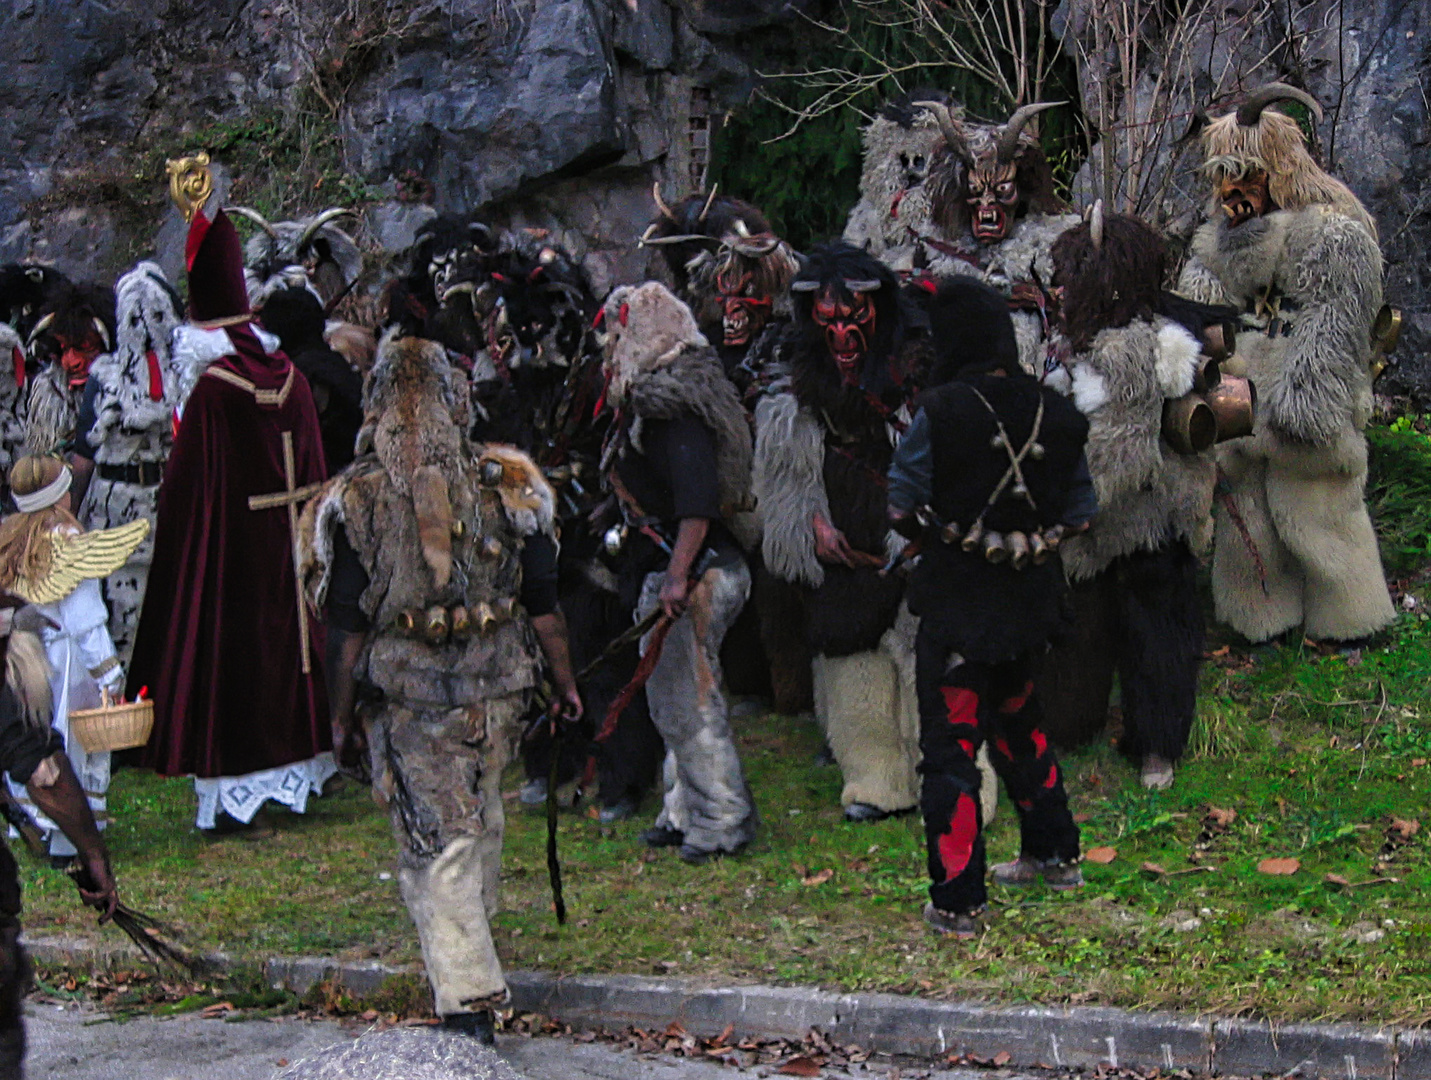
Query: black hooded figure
x=824 y=439
x=987 y=478
x=295 y=317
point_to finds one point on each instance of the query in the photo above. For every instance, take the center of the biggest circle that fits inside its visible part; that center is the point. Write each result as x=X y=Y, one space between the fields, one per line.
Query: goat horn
x=1095 y=225
x=1008 y=144
x=317 y=223
x=103 y=332
x=804 y=285
x=1250 y=111
x=253 y=216
x=646 y=236
x=742 y=230
x=707 y=208
x=40 y=328
x=948 y=126
x=661 y=203
x=863 y=286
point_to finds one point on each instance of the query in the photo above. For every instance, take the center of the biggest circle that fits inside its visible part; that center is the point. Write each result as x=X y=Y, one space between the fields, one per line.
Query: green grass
x=1280 y=742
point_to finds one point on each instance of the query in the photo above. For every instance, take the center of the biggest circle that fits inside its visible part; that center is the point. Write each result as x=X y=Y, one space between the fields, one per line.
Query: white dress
x=82 y=663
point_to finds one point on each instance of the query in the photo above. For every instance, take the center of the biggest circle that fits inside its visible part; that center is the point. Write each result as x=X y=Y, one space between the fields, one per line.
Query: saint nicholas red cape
x=221 y=645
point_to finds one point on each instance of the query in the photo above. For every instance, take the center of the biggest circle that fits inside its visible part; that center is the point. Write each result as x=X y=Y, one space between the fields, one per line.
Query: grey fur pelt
x=1147 y=493
x=51 y=412
x=13 y=402
x=403 y=1054
x=694 y=381
x=27 y=673
x=789 y=485
x=890 y=153
x=1315 y=381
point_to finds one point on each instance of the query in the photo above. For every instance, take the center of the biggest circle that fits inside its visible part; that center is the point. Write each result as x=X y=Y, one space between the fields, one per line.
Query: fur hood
x=693 y=381
x=646 y=328
x=1148 y=494
x=195 y=349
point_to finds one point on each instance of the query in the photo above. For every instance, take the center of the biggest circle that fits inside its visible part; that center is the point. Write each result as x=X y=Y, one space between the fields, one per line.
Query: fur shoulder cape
x=1148 y=494
x=695 y=382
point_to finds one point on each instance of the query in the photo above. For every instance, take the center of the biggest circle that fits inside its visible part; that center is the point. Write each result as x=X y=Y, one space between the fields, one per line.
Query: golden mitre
x=191 y=182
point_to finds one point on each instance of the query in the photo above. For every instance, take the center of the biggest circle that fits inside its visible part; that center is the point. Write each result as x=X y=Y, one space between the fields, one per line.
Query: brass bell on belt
x=973 y=536
x=434 y=628
x=994 y=549
x=1233 y=402
x=461 y=623
x=1018 y=545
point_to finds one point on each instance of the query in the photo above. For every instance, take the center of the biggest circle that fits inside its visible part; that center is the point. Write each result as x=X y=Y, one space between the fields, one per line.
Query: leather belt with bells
x=437 y=624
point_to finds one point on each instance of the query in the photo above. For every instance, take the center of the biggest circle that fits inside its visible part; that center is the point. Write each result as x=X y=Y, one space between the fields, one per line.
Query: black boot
x=476 y=1024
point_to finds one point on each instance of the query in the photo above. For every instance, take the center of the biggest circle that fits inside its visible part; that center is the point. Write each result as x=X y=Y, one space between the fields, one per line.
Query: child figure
x=47 y=558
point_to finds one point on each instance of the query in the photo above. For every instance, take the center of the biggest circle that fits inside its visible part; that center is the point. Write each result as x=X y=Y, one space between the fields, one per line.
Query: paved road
x=74 y=1043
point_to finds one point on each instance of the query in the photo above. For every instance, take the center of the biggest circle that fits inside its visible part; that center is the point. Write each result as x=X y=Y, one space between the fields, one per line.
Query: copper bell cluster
x=438 y=625
x=1219 y=407
x=1018 y=549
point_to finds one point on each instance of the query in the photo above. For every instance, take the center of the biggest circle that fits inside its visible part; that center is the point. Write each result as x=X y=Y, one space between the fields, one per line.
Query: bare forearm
x=344 y=648
x=689 y=541
x=81 y=469
x=551 y=633
x=63 y=802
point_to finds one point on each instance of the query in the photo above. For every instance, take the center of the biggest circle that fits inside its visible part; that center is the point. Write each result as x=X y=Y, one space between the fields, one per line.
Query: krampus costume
x=680 y=465
x=987 y=478
x=823 y=446
x=75 y=326
x=422 y=542
x=126 y=428
x=1293 y=248
x=731 y=269
x=448 y=293
x=995 y=215
x=24 y=292
x=1135 y=570
x=312 y=253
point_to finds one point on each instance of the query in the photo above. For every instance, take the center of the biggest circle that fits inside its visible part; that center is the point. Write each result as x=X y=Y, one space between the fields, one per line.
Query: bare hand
x=567 y=704
x=104 y=898
x=675 y=596
x=350 y=747
x=830 y=544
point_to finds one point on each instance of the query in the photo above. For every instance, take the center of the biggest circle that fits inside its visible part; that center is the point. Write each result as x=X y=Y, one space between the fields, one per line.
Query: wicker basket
x=113 y=727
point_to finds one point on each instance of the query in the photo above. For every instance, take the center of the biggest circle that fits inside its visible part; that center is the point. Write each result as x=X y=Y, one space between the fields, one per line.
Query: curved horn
x=253 y=216
x=661 y=203
x=103 y=332
x=317 y=223
x=742 y=230
x=804 y=285
x=707 y=208
x=1008 y=144
x=1250 y=111
x=40 y=328
x=1095 y=225
x=863 y=286
x=948 y=126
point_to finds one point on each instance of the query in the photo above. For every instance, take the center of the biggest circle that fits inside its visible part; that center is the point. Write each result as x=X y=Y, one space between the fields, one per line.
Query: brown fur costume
x=1308 y=274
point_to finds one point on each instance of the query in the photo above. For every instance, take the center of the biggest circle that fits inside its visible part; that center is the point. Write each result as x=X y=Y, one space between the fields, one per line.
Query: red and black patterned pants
x=962 y=706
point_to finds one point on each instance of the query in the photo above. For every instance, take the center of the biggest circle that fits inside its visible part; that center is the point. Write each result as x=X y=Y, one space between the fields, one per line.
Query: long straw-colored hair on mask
x=25 y=546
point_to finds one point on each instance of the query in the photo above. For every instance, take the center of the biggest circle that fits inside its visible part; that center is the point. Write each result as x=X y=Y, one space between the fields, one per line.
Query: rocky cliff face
x=578 y=104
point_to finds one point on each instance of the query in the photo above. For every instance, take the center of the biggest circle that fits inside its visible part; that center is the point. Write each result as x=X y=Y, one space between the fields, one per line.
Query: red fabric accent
x=156 y=377
x=17 y=355
x=1025 y=804
x=1052 y=778
x=1040 y=741
x=599 y=319
x=198 y=229
x=623 y=314
x=601 y=398
x=221 y=608
x=927 y=283
x=647 y=664
x=961 y=705
x=894 y=204
x=1003 y=748
x=1018 y=701
x=966 y=746
x=956 y=847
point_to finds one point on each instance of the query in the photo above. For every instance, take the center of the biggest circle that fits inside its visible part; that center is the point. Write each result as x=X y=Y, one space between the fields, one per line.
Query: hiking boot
x=1026 y=871
x=479 y=1025
x=963 y=927
x=1157 y=773
x=662 y=836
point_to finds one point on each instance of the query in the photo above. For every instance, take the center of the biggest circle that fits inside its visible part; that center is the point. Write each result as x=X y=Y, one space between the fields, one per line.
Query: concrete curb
x=1085 y=1037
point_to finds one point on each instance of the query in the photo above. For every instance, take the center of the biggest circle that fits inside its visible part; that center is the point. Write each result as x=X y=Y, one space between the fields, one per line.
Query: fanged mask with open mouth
x=743 y=312
x=993 y=199
x=1245 y=197
x=849 y=326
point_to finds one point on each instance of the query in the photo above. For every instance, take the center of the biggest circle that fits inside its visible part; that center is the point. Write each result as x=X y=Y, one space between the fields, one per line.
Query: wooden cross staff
x=292 y=498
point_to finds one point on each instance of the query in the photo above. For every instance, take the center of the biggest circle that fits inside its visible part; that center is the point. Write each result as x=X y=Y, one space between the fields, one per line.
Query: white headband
x=48 y=495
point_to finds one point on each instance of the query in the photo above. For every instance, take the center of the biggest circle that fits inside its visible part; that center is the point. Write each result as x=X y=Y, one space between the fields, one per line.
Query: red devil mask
x=76 y=359
x=743 y=312
x=849 y=326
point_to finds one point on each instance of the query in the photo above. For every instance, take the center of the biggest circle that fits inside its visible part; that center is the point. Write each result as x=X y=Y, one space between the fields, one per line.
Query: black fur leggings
x=1140 y=618
x=959 y=710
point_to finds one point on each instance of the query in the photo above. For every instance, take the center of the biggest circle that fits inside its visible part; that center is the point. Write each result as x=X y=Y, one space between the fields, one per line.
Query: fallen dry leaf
x=1154 y=869
x=1223 y=651
x=1337 y=879
x=281 y=1062
x=818 y=878
x=1405 y=828
x=1279 y=867
x=800 y=1066
x=217 y=1009
x=370 y=1015
x=1082 y=819
x=1101 y=855
x=1220 y=817
x=1002 y=1058
x=1417 y=762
